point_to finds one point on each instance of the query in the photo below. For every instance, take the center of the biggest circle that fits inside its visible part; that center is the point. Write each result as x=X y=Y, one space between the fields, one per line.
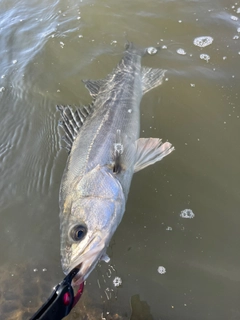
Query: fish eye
x=78 y=232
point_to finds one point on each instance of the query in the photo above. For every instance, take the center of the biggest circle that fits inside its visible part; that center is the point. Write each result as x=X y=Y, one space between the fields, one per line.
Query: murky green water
x=46 y=48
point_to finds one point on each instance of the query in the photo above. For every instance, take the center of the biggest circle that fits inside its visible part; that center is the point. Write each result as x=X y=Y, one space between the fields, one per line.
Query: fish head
x=88 y=222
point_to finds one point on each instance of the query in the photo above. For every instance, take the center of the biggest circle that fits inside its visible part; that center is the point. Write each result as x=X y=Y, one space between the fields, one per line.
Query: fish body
x=104 y=152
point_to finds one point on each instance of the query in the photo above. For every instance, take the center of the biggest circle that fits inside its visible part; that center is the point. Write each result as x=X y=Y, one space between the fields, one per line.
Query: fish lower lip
x=78 y=279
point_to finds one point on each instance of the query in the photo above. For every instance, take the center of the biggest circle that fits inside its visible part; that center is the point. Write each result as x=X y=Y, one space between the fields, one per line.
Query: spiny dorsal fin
x=72 y=121
x=94 y=86
x=151 y=78
x=149 y=151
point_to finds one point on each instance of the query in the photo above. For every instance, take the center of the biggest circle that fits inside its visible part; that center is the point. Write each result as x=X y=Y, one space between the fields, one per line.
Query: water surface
x=46 y=48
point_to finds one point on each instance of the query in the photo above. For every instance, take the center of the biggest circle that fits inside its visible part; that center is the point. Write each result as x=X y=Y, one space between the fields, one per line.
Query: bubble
x=205 y=57
x=165 y=47
x=14 y=61
x=117 y=281
x=169 y=228
x=129 y=110
x=181 y=51
x=235 y=37
x=44 y=270
x=35 y=270
x=192 y=85
x=234 y=18
x=203 y=41
x=2 y=89
x=238 y=10
x=187 y=214
x=151 y=50
x=238 y=29
x=161 y=270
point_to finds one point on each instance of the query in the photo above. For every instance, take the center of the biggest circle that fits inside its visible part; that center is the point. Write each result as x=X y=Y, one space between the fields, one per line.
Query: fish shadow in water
x=140 y=309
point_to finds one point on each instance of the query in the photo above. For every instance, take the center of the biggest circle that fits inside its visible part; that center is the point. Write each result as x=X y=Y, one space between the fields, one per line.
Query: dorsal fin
x=72 y=121
x=94 y=86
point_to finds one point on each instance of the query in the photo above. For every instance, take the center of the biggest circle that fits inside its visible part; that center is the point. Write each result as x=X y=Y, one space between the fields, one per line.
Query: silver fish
x=104 y=152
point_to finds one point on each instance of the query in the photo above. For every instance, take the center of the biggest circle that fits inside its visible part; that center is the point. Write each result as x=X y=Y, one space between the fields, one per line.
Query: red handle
x=78 y=294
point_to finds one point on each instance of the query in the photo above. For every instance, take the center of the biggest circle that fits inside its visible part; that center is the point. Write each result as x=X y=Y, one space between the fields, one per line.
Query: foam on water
x=187 y=214
x=151 y=50
x=181 y=51
x=203 y=41
x=161 y=270
x=205 y=57
x=117 y=281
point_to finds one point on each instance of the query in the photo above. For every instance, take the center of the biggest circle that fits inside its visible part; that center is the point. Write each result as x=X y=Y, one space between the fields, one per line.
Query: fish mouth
x=78 y=279
x=87 y=260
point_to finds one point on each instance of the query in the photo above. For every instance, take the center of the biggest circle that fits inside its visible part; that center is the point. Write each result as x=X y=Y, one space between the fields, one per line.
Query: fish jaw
x=87 y=261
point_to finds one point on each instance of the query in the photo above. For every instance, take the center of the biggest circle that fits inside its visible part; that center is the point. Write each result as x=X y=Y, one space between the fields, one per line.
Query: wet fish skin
x=105 y=151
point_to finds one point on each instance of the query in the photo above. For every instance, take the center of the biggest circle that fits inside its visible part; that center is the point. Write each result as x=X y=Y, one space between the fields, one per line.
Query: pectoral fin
x=149 y=151
x=151 y=78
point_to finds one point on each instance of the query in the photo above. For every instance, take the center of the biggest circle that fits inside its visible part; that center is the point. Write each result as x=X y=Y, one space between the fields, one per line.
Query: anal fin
x=149 y=151
x=151 y=78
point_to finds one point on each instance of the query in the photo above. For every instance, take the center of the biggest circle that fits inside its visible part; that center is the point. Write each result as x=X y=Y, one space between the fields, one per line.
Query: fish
x=105 y=150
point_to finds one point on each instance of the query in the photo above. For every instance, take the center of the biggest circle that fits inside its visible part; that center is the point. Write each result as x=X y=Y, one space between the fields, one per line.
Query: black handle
x=60 y=302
